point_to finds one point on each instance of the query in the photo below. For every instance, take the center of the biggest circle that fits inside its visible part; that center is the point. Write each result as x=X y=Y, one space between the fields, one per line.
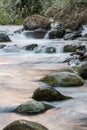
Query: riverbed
x=20 y=71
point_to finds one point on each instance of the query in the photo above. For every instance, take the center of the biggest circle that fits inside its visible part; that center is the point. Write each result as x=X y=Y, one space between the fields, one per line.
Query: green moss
x=50 y=80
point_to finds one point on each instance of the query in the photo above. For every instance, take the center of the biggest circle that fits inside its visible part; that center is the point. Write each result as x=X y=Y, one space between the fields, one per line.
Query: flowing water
x=20 y=71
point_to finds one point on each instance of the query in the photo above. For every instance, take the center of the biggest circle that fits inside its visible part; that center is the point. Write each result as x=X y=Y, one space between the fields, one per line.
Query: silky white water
x=20 y=71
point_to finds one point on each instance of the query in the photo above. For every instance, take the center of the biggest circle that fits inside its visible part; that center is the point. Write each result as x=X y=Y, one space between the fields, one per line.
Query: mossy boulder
x=32 y=107
x=36 y=21
x=4 y=38
x=48 y=94
x=70 y=48
x=63 y=79
x=24 y=125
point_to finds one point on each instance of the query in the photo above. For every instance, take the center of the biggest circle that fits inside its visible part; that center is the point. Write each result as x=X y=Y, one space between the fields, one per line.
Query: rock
x=48 y=94
x=70 y=48
x=68 y=31
x=19 y=30
x=2 y=46
x=32 y=107
x=36 y=21
x=39 y=33
x=82 y=69
x=31 y=47
x=4 y=38
x=24 y=125
x=85 y=35
x=63 y=79
x=56 y=33
x=72 y=36
x=50 y=50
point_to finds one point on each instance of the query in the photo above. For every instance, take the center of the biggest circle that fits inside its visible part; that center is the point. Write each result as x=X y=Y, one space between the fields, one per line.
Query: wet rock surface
x=48 y=94
x=63 y=79
x=25 y=125
x=4 y=38
x=32 y=107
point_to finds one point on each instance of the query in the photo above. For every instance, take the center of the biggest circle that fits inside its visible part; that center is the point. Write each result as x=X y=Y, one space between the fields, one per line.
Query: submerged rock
x=31 y=47
x=36 y=21
x=63 y=79
x=48 y=94
x=24 y=125
x=50 y=50
x=32 y=107
x=4 y=38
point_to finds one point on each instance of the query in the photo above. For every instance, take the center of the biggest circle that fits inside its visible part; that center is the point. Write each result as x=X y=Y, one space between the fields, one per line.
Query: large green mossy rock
x=63 y=79
x=25 y=125
x=32 y=107
x=48 y=94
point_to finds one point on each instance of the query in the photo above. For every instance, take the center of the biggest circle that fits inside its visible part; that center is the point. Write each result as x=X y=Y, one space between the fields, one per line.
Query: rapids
x=20 y=71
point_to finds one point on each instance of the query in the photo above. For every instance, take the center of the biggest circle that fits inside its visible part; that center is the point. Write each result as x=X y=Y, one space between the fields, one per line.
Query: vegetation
x=14 y=11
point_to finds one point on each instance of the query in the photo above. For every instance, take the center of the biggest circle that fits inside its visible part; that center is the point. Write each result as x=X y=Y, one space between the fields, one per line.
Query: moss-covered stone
x=70 y=48
x=63 y=79
x=50 y=80
x=24 y=125
x=48 y=94
x=32 y=107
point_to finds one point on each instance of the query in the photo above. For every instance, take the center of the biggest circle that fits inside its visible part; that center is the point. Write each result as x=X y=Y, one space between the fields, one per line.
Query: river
x=20 y=71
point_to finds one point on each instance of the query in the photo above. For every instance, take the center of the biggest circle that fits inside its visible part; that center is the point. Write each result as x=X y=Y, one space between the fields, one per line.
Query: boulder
x=63 y=79
x=56 y=33
x=24 y=125
x=32 y=107
x=50 y=50
x=31 y=47
x=36 y=21
x=82 y=69
x=72 y=36
x=70 y=48
x=4 y=38
x=48 y=94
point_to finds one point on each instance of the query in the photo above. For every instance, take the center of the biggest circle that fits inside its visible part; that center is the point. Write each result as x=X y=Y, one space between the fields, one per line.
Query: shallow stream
x=20 y=71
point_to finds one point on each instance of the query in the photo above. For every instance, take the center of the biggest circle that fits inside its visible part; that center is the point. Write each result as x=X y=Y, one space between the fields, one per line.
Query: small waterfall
x=84 y=31
x=53 y=26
